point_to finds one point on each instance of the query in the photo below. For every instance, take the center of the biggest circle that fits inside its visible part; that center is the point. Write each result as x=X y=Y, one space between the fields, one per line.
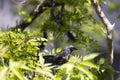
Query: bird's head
x=71 y=48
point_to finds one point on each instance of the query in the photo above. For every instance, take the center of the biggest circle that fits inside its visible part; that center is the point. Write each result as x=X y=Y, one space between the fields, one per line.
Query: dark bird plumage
x=61 y=57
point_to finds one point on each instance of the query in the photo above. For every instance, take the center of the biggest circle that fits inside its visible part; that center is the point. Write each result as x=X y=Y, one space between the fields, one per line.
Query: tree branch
x=109 y=28
x=39 y=9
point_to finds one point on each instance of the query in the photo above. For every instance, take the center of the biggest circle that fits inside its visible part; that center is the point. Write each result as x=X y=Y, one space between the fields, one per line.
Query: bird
x=61 y=58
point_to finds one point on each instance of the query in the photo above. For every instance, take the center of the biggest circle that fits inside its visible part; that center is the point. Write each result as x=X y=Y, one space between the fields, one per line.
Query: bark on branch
x=109 y=28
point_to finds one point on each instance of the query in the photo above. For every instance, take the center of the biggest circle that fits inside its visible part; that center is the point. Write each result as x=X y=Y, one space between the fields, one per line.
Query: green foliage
x=18 y=61
x=79 y=69
x=19 y=45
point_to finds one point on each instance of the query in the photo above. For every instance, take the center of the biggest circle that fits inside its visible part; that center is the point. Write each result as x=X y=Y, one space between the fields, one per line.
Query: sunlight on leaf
x=44 y=39
x=18 y=74
x=75 y=59
x=45 y=73
x=68 y=67
x=90 y=56
x=3 y=51
x=15 y=68
x=27 y=68
x=89 y=64
x=58 y=50
x=87 y=72
x=3 y=73
x=68 y=76
x=29 y=19
x=41 y=60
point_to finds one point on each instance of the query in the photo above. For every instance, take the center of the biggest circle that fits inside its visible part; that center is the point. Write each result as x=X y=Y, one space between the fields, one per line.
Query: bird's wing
x=60 y=60
x=55 y=60
x=49 y=58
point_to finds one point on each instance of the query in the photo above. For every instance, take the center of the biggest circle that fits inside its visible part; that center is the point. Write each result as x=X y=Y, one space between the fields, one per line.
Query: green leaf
x=68 y=66
x=41 y=60
x=90 y=56
x=15 y=67
x=43 y=39
x=58 y=50
x=45 y=73
x=82 y=77
x=29 y=19
x=3 y=51
x=18 y=74
x=87 y=72
x=26 y=68
x=22 y=13
x=88 y=63
x=68 y=76
x=3 y=73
